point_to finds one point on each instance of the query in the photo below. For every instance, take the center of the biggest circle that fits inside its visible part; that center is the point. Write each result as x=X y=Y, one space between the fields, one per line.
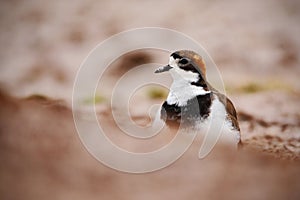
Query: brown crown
x=196 y=59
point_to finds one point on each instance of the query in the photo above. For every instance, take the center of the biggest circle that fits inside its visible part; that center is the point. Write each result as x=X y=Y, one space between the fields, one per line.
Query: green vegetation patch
x=97 y=99
x=157 y=93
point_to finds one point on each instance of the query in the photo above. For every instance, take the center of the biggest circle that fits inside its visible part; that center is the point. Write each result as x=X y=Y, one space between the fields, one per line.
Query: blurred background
x=255 y=44
x=43 y=43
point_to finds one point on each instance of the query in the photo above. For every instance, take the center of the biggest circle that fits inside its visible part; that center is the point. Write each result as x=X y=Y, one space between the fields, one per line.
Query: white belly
x=217 y=126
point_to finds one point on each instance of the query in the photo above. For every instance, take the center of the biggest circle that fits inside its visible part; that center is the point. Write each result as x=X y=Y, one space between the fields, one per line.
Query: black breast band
x=196 y=108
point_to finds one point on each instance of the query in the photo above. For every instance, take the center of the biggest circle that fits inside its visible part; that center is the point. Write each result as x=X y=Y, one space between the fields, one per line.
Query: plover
x=193 y=102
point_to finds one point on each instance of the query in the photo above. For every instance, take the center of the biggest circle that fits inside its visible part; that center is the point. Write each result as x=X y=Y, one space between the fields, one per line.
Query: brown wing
x=231 y=112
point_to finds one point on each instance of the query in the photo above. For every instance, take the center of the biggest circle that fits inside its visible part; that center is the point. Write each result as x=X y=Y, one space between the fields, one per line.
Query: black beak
x=163 y=69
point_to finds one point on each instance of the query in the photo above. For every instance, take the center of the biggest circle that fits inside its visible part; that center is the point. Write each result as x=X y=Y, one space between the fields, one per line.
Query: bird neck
x=182 y=90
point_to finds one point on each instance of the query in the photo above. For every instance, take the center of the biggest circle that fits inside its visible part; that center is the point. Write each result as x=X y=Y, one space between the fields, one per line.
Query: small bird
x=193 y=102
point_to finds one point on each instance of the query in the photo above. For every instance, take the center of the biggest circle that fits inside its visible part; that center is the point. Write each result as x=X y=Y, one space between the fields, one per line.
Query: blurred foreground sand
x=43 y=158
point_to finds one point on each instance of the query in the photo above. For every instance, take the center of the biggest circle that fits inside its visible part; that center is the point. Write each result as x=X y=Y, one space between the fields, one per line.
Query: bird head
x=185 y=63
x=186 y=67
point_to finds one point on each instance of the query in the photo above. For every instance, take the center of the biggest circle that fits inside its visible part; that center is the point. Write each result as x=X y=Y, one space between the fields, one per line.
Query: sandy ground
x=255 y=45
x=43 y=158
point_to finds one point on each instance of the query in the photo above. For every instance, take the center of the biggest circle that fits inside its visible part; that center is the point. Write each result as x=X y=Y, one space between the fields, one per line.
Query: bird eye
x=183 y=61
